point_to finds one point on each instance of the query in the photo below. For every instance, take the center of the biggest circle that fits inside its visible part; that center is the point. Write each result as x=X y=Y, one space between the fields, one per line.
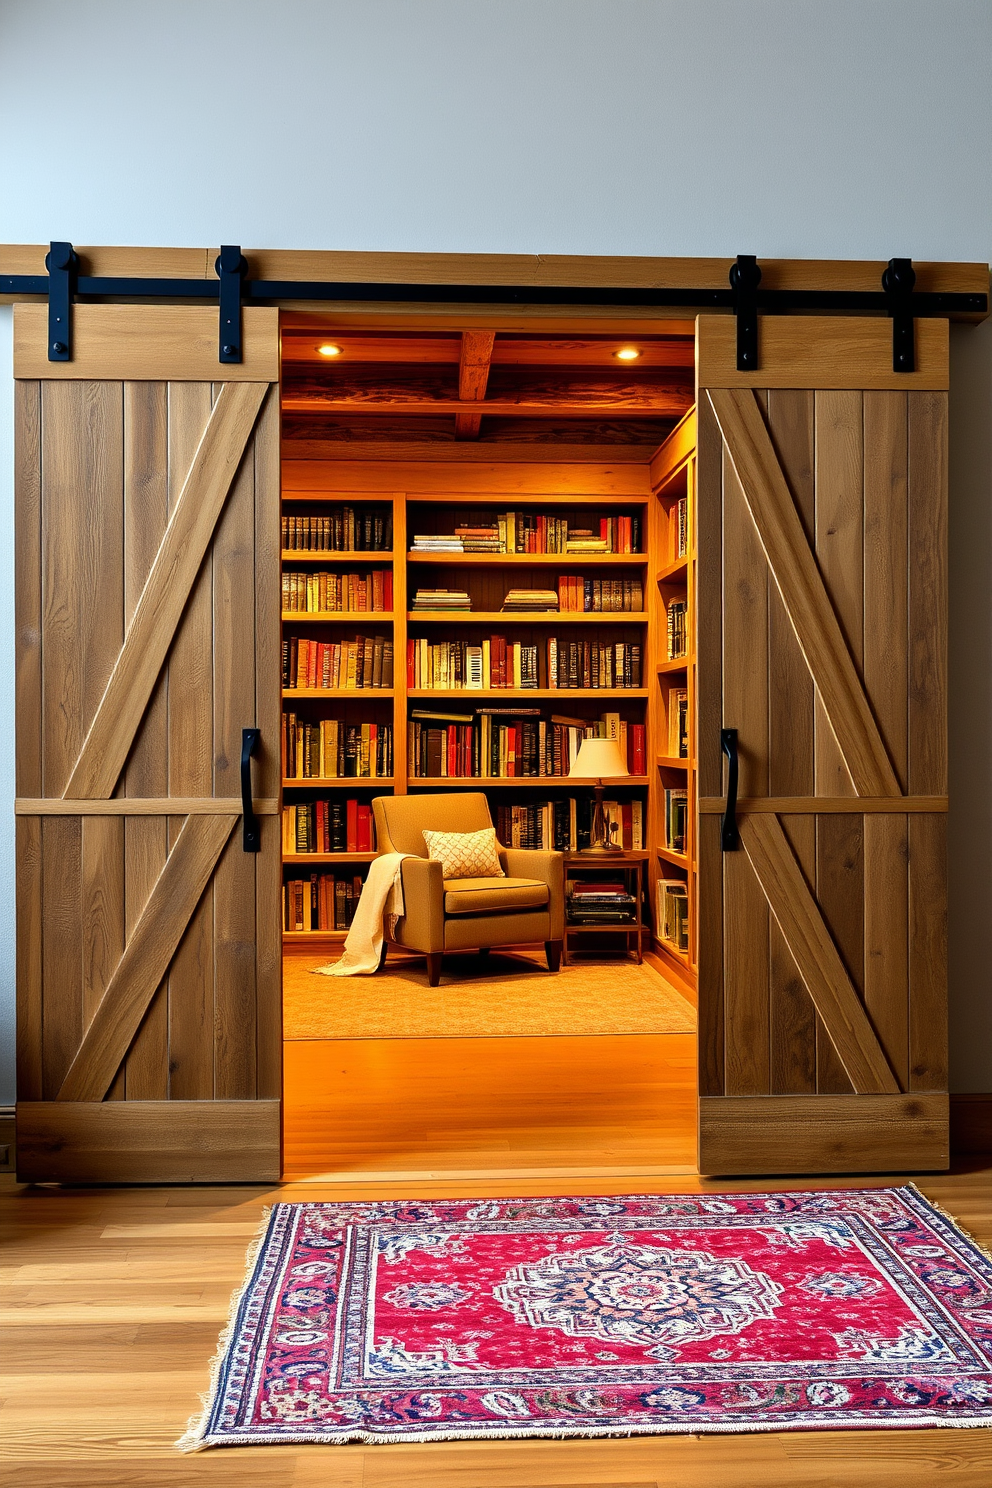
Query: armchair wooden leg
x=382 y=955
x=552 y=949
x=433 y=968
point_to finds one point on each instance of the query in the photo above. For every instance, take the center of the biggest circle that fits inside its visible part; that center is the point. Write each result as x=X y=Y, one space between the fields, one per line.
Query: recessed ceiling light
x=627 y=354
x=329 y=349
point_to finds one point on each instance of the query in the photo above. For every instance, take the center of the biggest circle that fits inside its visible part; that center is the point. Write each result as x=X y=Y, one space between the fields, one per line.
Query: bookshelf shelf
x=674 y=572
x=673 y=762
x=516 y=500
x=332 y=857
x=341 y=617
x=370 y=694
x=539 y=782
x=336 y=782
x=681 y=860
x=541 y=617
x=313 y=937
x=335 y=555
x=677 y=664
x=560 y=693
x=506 y=560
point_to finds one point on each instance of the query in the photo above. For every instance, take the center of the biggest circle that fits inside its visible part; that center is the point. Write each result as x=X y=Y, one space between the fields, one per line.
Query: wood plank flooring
x=114 y=1299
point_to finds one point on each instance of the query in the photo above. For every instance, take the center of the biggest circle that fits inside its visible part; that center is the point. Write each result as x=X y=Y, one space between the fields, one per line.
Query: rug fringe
x=952 y=1219
x=192 y=1439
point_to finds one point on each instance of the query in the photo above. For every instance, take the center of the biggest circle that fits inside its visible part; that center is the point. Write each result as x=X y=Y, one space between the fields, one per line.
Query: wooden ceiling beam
x=473 y=374
x=669 y=404
x=300 y=347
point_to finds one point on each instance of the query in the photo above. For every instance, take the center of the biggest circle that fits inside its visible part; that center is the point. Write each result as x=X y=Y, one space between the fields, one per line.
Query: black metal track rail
x=744 y=297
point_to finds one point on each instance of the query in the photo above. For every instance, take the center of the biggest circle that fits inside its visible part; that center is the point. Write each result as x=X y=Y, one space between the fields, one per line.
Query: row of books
x=675 y=819
x=328 y=826
x=321 y=902
x=344 y=529
x=496 y=662
x=672 y=912
x=352 y=665
x=327 y=749
x=681 y=514
x=528 y=532
x=600 y=903
x=492 y=745
x=677 y=629
x=578 y=595
x=678 y=722
x=565 y=825
x=320 y=591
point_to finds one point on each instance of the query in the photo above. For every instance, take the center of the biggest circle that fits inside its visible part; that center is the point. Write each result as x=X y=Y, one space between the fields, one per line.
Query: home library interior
x=487 y=557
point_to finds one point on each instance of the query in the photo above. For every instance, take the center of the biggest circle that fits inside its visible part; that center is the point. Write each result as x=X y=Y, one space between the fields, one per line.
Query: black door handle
x=730 y=839
x=252 y=839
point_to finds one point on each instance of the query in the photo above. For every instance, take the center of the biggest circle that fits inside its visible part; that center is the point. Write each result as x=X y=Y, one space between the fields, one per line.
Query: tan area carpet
x=512 y=995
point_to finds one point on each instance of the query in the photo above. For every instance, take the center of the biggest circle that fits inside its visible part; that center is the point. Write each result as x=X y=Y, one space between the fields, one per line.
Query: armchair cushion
x=465 y=854
x=477 y=896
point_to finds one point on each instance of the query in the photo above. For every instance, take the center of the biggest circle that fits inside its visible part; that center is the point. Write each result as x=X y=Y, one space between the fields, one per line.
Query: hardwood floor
x=114 y=1299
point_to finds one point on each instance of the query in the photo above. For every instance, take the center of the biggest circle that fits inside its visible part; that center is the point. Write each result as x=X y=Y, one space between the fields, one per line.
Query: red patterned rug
x=443 y=1319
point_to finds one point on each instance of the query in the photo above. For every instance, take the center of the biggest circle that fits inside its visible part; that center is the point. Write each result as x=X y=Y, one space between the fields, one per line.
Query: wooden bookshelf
x=673 y=578
x=487 y=576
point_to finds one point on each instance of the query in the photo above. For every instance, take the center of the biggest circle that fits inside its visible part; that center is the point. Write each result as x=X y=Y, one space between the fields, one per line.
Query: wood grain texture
x=865 y=1133
x=148 y=1141
x=268 y=717
x=928 y=1056
x=146 y=774
x=473 y=374
x=829 y=985
x=493 y=478
x=134 y=806
x=801 y=587
x=745 y=707
x=146 y=342
x=812 y=351
x=827 y=805
x=167 y=591
x=146 y=957
x=928 y=599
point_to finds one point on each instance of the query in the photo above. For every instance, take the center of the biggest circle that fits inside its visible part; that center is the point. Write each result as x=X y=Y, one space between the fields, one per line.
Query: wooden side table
x=603 y=867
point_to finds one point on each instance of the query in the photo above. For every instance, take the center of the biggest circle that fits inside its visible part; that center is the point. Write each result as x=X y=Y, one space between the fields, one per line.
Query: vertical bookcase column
x=400 y=607
x=673 y=580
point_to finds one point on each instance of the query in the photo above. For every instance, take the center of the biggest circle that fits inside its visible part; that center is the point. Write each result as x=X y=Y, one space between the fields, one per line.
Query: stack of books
x=432 y=542
x=600 y=904
x=677 y=612
x=672 y=912
x=584 y=540
x=483 y=539
x=441 y=599
x=530 y=601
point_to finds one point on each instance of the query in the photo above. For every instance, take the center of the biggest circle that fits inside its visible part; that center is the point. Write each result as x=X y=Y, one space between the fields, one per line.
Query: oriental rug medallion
x=447 y=1319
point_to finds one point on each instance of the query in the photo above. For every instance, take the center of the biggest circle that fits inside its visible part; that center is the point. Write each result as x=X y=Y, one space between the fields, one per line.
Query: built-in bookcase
x=319 y=489
x=673 y=702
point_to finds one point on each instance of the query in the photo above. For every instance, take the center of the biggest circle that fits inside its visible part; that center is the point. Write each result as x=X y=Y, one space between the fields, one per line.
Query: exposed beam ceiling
x=301 y=347
x=473 y=374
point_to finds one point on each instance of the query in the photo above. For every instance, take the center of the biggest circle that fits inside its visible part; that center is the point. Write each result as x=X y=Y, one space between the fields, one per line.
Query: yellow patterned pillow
x=465 y=854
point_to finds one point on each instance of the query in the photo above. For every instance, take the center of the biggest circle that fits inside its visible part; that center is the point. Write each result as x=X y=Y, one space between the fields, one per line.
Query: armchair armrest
x=547 y=867
x=423 y=904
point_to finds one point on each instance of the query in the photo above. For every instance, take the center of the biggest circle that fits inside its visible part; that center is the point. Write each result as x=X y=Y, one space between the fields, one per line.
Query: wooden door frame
x=554 y=271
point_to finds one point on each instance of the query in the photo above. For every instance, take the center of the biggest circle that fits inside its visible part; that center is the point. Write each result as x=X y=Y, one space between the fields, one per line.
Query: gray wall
x=779 y=127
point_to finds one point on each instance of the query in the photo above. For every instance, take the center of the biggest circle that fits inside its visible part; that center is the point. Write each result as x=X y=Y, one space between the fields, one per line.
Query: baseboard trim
x=971 y=1123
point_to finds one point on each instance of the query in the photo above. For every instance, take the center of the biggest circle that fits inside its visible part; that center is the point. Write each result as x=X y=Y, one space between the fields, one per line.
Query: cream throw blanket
x=381 y=894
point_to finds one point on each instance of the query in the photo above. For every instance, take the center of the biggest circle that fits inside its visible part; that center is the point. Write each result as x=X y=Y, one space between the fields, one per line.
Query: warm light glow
x=329 y=349
x=627 y=354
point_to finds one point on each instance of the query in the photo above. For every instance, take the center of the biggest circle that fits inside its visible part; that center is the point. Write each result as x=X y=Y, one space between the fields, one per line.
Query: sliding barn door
x=147 y=498
x=822 y=634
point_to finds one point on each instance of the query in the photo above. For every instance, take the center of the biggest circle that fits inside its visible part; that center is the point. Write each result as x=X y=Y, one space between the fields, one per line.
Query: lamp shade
x=599 y=758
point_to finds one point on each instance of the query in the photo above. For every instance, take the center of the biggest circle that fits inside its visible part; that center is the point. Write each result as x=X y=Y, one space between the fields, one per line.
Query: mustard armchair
x=459 y=914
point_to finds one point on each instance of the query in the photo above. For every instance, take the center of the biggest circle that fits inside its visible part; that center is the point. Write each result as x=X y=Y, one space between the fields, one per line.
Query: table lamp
x=598 y=758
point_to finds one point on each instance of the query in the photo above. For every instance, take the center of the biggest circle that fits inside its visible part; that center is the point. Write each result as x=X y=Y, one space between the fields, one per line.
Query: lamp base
x=602 y=851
